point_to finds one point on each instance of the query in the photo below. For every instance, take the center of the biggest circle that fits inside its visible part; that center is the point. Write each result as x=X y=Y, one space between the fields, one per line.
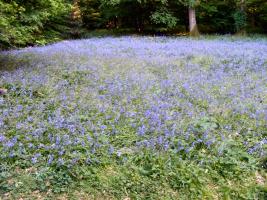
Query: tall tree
x=256 y=15
x=240 y=17
x=76 y=19
x=192 y=4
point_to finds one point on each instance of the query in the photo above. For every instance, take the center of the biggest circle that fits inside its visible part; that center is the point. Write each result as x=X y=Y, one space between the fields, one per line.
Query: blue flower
x=141 y=130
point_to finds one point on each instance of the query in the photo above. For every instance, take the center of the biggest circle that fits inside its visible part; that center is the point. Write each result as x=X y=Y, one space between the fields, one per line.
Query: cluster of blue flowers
x=76 y=102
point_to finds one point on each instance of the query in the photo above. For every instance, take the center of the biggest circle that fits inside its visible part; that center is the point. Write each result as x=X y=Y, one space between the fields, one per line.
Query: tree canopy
x=26 y=22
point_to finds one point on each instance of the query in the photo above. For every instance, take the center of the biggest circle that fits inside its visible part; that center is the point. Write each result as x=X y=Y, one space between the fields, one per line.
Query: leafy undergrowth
x=134 y=118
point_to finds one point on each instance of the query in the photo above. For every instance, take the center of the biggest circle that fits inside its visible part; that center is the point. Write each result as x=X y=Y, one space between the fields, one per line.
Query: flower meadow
x=135 y=117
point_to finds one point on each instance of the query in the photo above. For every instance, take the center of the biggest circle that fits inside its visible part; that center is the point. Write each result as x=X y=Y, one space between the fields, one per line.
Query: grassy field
x=135 y=118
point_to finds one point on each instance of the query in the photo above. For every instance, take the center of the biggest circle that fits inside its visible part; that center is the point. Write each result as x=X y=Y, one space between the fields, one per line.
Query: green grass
x=225 y=170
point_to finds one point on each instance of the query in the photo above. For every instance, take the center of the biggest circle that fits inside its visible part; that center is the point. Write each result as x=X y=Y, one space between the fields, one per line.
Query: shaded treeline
x=27 y=22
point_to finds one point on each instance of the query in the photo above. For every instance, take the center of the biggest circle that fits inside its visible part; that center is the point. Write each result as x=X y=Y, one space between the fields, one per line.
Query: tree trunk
x=193 y=30
x=76 y=20
x=76 y=12
x=253 y=22
x=242 y=31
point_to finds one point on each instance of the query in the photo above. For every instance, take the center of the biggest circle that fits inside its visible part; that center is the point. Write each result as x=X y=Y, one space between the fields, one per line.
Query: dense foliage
x=213 y=15
x=136 y=118
x=24 y=22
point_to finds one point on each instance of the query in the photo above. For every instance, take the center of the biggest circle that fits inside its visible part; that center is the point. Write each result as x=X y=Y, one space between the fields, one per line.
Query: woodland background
x=30 y=22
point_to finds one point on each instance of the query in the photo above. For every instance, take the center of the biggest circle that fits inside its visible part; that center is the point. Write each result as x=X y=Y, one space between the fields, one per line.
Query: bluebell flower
x=111 y=150
x=35 y=158
x=2 y=138
x=60 y=161
x=141 y=130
